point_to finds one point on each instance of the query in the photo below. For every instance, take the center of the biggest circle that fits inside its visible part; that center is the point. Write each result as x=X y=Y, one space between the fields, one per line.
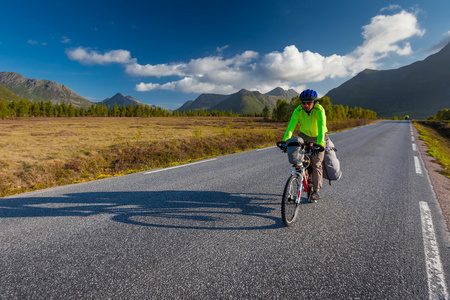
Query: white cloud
x=90 y=57
x=65 y=40
x=294 y=66
x=196 y=67
x=385 y=35
x=136 y=69
x=32 y=42
x=193 y=85
x=384 y=32
x=391 y=7
x=143 y=87
x=221 y=49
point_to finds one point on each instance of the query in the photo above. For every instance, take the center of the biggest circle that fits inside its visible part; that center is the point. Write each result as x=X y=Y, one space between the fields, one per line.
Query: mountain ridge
x=121 y=100
x=242 y=102
x=41 y=89
x=419 y=90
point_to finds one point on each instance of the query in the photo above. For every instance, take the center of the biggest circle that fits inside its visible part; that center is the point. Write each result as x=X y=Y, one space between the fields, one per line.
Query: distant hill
x=121 y=100
x=280 y=93
x=204 y=101
x=7 y=96
x=243 y=102
x=418 y=90
x=38 y=89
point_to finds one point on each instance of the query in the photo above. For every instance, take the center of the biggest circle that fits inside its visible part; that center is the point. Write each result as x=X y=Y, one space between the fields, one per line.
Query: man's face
x=307 y=105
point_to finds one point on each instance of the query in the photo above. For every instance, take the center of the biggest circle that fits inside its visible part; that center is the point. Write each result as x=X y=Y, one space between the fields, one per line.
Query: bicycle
x=299 y=184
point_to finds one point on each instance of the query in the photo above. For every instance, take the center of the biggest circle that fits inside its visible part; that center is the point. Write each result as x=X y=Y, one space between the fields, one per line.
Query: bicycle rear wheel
x=289 y=205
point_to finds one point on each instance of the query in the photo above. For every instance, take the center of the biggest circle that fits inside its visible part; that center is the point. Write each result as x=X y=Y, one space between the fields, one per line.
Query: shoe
x=315 y=196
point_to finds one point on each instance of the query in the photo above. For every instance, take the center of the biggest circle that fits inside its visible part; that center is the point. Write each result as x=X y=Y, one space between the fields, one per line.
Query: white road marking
x=181 y=166
x=417 y=164
x=437 y=288
x=412 y=139
x=414 y=147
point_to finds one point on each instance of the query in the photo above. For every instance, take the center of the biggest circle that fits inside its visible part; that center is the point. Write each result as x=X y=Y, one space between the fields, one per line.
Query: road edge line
x=437 y=288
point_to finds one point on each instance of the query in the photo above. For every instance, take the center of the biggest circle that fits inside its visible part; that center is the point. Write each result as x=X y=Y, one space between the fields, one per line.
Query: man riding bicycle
x=313 y=128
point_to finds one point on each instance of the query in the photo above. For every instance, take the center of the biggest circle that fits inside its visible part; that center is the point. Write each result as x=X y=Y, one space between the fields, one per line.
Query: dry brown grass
x=43 y=152
x=37 y=153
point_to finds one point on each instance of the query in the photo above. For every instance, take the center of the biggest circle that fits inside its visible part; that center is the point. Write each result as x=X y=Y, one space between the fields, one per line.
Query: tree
x=49 y=109
x=64 y=110
x=265 y=112
x=281 y=111
x=443 y=114
x=71 y=111
x=123 y=111
x=4 y=110
x=138 y=111
x=116 y=112
x=36 y=109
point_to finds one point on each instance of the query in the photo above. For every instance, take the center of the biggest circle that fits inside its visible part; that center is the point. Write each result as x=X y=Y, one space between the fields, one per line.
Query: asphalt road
x=213 y=230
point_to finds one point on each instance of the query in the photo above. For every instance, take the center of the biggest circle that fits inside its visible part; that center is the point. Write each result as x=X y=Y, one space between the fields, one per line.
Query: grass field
x=37 y=153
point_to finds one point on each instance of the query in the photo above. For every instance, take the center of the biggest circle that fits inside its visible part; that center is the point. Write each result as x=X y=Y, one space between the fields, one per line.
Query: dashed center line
x=417 y=164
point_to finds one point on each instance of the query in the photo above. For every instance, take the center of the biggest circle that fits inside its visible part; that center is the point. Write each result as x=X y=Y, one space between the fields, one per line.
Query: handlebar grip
x=281 y=144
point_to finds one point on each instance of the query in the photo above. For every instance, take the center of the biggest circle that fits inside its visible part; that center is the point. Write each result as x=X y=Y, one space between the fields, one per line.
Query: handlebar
x=308 y=147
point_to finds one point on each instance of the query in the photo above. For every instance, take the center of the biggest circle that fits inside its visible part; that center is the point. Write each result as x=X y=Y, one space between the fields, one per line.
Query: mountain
x=245 y=102
x=280 y=93
x=121 y=100
x=242 y=102
x=418 y=90
x=6 y=95
x=38 y=89
x=204 y=101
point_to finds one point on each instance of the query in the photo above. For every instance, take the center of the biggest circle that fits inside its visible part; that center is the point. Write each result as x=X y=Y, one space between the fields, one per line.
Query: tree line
x=26 y=108
x=442 y=115
x=283 y=111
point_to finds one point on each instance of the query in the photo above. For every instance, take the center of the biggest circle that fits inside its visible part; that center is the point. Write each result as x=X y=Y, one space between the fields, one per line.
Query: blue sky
x=167 y=52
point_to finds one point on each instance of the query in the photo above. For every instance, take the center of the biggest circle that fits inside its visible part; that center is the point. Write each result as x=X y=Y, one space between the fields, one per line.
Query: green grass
x=439 y=145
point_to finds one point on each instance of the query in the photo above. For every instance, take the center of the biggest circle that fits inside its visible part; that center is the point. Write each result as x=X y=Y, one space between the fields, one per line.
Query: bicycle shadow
x=165 y=209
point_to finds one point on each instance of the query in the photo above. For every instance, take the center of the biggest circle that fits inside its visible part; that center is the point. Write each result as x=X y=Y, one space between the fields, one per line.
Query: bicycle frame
x=303 y=186
x=303 y=174
x=298 y=182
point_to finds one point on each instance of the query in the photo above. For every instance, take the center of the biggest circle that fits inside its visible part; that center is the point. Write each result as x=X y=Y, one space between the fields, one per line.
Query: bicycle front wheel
x=289 y=205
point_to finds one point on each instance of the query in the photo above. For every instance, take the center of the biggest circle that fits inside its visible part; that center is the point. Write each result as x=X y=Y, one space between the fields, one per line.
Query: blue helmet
x=308 y=95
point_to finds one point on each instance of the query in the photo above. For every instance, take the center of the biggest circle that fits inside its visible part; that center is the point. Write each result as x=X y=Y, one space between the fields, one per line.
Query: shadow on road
x=165 y=209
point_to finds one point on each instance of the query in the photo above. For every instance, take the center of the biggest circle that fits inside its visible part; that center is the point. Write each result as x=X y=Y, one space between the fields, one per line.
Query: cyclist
x=313 y=128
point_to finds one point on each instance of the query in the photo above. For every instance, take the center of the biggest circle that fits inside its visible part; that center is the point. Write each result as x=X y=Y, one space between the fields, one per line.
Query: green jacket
x=313 y=124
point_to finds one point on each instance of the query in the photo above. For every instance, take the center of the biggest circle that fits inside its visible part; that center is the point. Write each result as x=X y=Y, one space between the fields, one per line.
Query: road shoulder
x=440 y=183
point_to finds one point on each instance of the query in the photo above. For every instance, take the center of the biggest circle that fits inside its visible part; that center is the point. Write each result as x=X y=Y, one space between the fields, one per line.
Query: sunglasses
x=307 y=102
